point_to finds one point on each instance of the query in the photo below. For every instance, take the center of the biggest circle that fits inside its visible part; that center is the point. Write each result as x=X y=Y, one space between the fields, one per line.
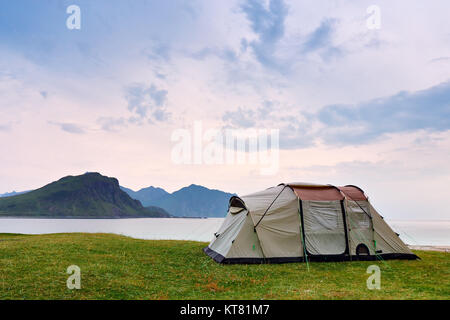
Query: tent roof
x=326 y=192
x=305 y=191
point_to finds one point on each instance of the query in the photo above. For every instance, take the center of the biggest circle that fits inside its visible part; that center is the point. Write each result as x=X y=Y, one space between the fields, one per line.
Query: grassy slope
x=116 y=267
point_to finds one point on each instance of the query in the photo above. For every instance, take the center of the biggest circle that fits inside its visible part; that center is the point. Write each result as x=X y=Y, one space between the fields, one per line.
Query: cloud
x=241 y=118
x=320 y=37
x=247 y=117
x=351 y=124
x=111 y=124
x=224 y=54
x=158 y=51
x=268 y=24
x=147 y=103
x=5 y=127
x=321 y=40
x=294 y=129
x=440 y=59
x=406 y=111
x=68 y=127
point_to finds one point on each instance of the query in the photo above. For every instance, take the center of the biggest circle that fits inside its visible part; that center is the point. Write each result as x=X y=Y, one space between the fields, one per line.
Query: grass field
x=117 y=267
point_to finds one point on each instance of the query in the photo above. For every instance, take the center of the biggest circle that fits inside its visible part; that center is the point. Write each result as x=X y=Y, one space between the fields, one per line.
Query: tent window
x=236 y=202
x=362 y=221
x=358 y=217
x=323 y=218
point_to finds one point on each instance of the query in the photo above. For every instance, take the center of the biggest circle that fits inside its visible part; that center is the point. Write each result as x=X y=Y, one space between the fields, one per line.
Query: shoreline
x=436 y=248
x=429 y=248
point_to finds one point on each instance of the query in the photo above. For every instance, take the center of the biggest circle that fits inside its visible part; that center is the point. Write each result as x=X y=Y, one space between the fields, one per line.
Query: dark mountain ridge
x=90 y=195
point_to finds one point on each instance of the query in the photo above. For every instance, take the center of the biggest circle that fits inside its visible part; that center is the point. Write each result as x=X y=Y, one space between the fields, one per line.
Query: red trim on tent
x=328 y=192
x=353 y=193
x=325 y=193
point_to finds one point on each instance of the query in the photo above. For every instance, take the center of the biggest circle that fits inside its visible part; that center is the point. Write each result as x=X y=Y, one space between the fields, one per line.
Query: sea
x=412 y=232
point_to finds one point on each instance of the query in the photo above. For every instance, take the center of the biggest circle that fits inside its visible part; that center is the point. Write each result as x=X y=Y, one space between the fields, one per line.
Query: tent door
x=323 y=227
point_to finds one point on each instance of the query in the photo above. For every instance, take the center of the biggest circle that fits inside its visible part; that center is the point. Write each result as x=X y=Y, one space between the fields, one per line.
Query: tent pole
x=269 y=207
x=259 y=241
x=302 y=231
x=347 y=227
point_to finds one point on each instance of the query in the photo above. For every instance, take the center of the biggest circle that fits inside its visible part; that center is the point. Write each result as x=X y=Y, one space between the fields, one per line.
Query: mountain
x=146 y=196
x=193 y=201
x=90 y=195
x=11 y=194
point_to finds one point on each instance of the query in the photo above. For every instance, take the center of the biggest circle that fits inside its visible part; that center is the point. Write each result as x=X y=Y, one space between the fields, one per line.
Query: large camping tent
x=304 y=222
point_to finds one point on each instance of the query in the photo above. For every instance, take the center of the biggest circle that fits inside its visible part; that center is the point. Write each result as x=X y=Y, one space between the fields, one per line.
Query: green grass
x=117 y=267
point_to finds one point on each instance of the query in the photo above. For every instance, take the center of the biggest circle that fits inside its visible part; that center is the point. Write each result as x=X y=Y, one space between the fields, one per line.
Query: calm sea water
x=411 y=232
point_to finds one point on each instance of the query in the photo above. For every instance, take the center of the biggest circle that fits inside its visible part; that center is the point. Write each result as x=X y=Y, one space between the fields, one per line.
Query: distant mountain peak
x=13 y=193
x=185 y=201
x=194 y=186
x=147 y=196
x=151 y=188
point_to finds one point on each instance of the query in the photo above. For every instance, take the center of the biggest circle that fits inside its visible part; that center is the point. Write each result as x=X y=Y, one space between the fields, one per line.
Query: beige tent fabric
x=259 y=201
x=279 y=230
x=386 y=239
x=228 y=232
x=359 y=225
x=253 y=233
x=246 y=244
x=324 y=227
x=234 y=210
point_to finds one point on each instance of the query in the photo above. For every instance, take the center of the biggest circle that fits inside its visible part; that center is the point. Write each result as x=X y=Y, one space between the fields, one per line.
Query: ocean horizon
x=412 y=232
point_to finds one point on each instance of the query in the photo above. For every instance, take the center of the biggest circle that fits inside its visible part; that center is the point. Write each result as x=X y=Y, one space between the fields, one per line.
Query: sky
x=354 y=102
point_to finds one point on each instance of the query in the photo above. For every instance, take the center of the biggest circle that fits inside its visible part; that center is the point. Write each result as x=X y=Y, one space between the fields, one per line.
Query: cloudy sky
x=353 y=104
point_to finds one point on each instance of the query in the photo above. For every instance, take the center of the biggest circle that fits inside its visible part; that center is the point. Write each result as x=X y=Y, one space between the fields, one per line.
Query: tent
x=297 y=222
